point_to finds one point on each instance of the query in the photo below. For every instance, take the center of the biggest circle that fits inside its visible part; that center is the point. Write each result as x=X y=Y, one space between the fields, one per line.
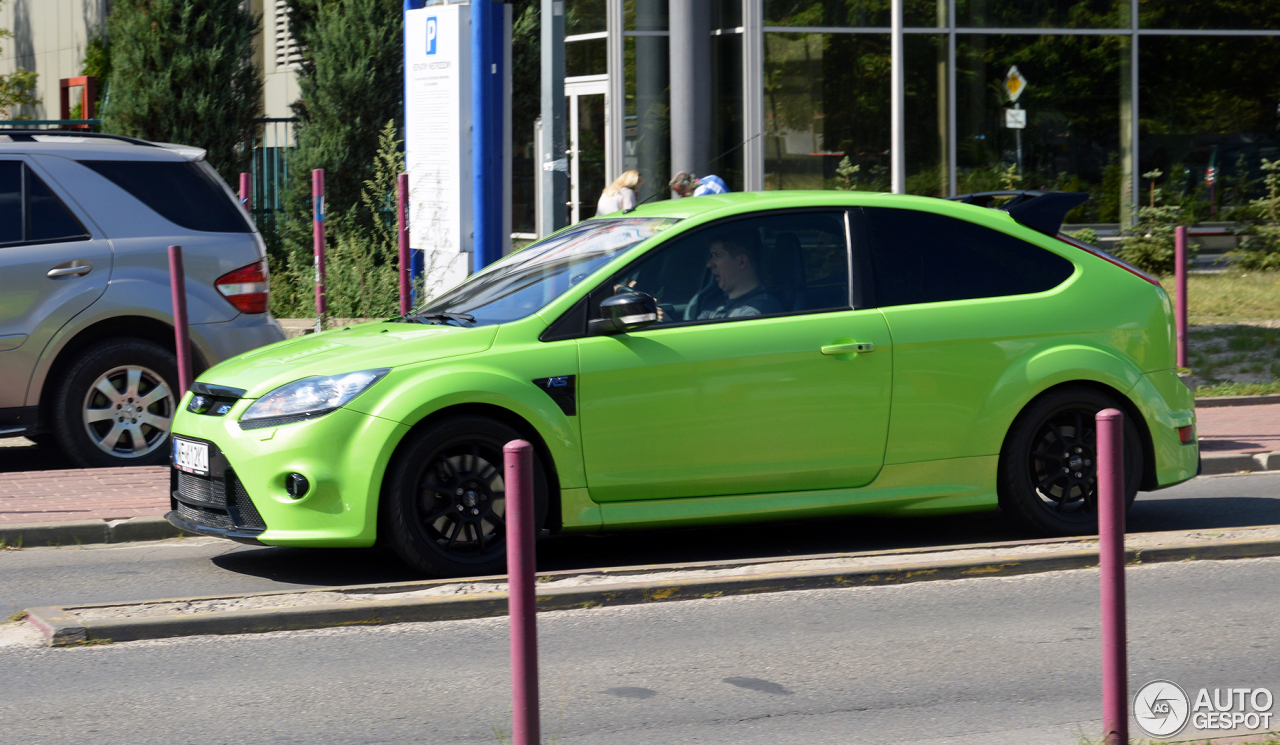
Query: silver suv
x=86 y=324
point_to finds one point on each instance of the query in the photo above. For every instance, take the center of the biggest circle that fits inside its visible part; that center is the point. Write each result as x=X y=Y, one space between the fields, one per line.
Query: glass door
x=589 y=169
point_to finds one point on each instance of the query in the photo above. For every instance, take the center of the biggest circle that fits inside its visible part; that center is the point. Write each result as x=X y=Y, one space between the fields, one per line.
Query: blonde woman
x=620 y=195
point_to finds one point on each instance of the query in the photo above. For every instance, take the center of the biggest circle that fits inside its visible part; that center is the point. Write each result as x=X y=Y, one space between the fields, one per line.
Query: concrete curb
x=76 y=532
x=1219 y=463
x=60 y=627
x=1213 y=402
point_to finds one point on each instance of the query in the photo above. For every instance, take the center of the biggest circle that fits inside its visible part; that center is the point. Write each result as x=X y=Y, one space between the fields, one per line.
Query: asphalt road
x=200 y=566
x=997 y=660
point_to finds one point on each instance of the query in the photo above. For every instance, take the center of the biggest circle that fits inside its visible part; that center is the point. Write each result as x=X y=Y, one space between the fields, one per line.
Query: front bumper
x=343 y=456
x=216 y=504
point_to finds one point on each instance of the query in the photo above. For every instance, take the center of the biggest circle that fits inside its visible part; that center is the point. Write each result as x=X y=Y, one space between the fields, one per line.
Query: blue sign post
x=487 y=117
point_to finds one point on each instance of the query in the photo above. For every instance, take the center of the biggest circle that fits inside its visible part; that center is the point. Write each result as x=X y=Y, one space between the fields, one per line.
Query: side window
x=922 y=257
x=10 y=201
x=760 y=266
x=184 y=193
x=29 y=210
x=48 y=219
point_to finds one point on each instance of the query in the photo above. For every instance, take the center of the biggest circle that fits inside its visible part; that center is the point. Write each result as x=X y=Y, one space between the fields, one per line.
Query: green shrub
x=1260 y=250
x=1149 y=244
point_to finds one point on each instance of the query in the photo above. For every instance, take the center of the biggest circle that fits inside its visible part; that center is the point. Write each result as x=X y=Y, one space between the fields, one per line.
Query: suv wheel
x=116 y=405
x=1049 y=464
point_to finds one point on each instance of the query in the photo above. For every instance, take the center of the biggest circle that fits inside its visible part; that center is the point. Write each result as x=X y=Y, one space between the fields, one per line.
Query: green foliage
x=1261 y=248
x=1149 y=244
x=181 y=71
x=18 y=88
x=361 y=274
x=351 y=83
x=1085 y=235
x=846 y=171
x=97 y=62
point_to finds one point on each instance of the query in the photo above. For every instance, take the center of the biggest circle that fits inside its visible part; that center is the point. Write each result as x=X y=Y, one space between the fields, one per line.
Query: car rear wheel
x=116 y=405
x=444 y=499
x=1049 y=464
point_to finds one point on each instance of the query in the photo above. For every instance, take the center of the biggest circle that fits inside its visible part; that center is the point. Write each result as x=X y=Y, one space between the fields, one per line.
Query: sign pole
x=317 y=237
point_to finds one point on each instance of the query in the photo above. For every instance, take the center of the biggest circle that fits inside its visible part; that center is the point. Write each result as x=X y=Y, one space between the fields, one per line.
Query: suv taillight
x=247 y=287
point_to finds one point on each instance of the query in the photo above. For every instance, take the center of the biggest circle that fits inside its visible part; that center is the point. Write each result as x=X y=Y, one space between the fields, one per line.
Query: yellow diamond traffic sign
x=1014 y=83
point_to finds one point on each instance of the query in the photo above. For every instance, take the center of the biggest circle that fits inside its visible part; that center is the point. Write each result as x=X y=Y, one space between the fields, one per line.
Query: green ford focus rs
x=722 y=359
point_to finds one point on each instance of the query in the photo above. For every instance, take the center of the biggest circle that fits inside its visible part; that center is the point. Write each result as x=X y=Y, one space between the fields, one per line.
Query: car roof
x=91 y=146
x=1039 y=211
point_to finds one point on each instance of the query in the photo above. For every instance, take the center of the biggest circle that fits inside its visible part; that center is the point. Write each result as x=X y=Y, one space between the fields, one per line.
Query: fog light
x=296 y=485
x=1187 y=434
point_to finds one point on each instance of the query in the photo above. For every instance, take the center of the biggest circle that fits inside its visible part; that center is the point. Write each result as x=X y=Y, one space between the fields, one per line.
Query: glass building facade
x=799 y=96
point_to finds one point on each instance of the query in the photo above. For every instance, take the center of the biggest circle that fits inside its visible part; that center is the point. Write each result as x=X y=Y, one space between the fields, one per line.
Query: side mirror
x=622 y=313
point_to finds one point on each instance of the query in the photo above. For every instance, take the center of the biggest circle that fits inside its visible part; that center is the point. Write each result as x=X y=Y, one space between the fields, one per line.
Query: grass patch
x=1238 y=389
x=1230 y=297
x=19 y=616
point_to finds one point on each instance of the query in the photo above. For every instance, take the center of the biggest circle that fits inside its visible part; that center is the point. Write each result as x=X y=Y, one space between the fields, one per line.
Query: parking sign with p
x=432 y=25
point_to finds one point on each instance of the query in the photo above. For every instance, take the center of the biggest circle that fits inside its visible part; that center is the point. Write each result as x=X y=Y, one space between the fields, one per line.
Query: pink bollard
x=1111 y=508
x=1180 y=278
x=181 y=334
x=246 y=191
x=521 y=602
x=402 y=204
x=317 y=201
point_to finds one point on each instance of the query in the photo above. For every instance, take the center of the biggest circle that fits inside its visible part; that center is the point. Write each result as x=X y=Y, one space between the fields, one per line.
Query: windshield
x=525 y=282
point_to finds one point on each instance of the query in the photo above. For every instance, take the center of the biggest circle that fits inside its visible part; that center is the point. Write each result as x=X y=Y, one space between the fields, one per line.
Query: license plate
x=192 y=457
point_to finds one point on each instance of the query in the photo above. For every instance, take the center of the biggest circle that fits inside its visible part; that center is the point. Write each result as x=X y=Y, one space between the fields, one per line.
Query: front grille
x=201 y=516
x=202 y=491
x=236 y=495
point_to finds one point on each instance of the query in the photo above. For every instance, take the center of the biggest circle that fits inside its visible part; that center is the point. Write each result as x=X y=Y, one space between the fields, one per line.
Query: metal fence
x=271 y=148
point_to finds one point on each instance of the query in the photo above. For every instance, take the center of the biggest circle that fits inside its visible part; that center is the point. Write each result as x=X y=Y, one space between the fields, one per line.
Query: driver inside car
x=734 y=262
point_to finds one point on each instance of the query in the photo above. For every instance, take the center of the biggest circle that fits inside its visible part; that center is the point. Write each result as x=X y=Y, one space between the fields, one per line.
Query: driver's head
x=734 y=258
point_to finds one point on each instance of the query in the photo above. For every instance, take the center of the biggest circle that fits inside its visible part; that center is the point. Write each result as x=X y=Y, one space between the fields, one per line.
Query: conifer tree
x=182 y=72
x=352 y=83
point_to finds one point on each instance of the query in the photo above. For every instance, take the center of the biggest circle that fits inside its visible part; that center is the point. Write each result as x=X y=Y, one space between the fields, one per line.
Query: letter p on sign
x=432 y=25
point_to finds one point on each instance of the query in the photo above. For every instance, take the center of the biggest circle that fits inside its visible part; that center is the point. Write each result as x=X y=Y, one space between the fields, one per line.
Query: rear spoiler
x=1039 y=210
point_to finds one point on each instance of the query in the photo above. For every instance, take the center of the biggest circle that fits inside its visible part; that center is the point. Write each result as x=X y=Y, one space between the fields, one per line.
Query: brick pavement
x=36 y=496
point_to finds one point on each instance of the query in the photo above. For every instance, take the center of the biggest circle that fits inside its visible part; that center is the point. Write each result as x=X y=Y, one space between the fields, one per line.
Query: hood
x=349 y=349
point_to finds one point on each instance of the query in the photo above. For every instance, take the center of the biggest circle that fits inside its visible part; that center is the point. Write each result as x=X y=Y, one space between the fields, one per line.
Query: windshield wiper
x=441 y=319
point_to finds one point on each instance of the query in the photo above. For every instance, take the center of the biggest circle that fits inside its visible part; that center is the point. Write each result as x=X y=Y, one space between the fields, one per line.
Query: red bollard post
x=1111 y=507
x=402 y=204
x=246 y=191
x=1180 y=279
x=317 y=201
x=182 y=339
x=518 y=478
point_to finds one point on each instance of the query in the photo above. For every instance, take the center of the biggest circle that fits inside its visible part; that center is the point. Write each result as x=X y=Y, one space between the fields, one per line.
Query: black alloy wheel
x=444 y=499
x=1049 y=464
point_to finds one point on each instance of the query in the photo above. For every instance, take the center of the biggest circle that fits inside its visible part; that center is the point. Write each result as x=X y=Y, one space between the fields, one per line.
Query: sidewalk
x=1232 y=438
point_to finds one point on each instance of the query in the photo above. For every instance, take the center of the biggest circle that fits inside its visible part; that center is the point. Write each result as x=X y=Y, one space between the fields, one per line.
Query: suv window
x=776 y=264
x=922 y=257
x=29 y=210
x=185 y=193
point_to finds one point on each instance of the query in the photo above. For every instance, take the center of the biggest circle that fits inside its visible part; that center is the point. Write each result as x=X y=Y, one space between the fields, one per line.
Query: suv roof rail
x=29 y=135
x=1039 y=210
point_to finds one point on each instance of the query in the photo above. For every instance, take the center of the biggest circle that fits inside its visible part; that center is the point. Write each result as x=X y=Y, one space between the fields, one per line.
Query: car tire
x=116 y=403
x=443 y=499
x=1054 y=432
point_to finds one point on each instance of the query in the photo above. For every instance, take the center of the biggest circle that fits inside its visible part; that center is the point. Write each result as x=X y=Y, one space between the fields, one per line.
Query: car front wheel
x=443 y=502
x=1049 y=464
x=116 y=405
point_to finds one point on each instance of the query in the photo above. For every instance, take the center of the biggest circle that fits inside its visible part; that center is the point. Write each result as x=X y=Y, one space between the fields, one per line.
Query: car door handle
x=77 y=267
x=851 y=348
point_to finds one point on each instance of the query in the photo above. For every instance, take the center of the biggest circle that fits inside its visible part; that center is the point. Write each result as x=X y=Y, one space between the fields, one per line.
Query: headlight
x=308 y=398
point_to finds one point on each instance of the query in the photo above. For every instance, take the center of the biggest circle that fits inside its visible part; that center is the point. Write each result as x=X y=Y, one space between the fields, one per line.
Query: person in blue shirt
x=688 y=185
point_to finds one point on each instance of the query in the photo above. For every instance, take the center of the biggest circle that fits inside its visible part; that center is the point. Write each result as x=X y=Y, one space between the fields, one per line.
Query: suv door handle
x=851 y=348
x=66 y=269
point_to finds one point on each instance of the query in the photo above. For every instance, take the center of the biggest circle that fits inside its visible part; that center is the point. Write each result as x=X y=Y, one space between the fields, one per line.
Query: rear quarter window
x=182 y=192
x=922 y=257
